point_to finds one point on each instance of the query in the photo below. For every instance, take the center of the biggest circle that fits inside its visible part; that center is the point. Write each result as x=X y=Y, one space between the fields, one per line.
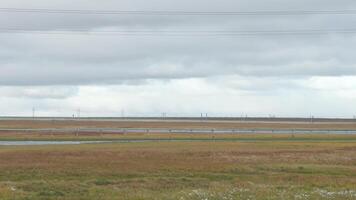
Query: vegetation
x=264 y=167
x=175 y=124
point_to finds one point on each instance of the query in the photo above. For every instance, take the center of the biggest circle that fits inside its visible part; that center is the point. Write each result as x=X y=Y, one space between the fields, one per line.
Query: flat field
x=174 y=124
x=184 y=167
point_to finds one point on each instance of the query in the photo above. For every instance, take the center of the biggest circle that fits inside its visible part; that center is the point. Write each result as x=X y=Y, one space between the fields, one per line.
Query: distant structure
x=122 y=113
x=33 y=112
x=78 y=113
x=164 y=115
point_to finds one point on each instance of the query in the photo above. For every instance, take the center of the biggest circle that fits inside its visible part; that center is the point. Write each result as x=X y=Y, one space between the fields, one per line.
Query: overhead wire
x=180 y=32
x=177 y=12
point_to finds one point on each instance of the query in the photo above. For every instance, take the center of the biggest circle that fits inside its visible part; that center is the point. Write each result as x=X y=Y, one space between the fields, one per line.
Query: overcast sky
x=107 y=74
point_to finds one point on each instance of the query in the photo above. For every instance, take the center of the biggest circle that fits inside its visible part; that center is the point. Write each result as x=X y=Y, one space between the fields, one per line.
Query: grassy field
x=318 y=169
x=21 y=136
x=173 y=124
x=178 y=166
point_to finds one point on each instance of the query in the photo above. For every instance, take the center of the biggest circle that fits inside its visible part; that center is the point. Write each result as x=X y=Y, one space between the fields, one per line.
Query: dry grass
x=170 y=124
x=175 y=170
x=212 y=167
x=14 y=136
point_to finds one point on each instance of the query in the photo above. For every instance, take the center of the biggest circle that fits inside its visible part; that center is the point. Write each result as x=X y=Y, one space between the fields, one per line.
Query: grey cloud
x=27 y=59
x=42 y=92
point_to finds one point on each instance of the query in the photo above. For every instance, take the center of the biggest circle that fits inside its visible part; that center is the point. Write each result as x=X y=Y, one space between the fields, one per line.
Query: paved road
x=182 y=131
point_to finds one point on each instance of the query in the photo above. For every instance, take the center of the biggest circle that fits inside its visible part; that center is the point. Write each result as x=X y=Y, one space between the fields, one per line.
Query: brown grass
x=242 y=166
x=170 y=124
x=163 y=170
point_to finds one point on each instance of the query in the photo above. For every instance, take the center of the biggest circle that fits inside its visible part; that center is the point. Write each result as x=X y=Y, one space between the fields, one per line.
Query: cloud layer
x=187 y=74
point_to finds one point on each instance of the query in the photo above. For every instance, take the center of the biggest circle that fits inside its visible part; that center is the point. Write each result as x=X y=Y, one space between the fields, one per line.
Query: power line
x=177 y=12
x=181 y=32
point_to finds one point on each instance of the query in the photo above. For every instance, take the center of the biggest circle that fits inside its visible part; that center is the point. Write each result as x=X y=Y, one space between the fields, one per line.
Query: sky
x=181 y=75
